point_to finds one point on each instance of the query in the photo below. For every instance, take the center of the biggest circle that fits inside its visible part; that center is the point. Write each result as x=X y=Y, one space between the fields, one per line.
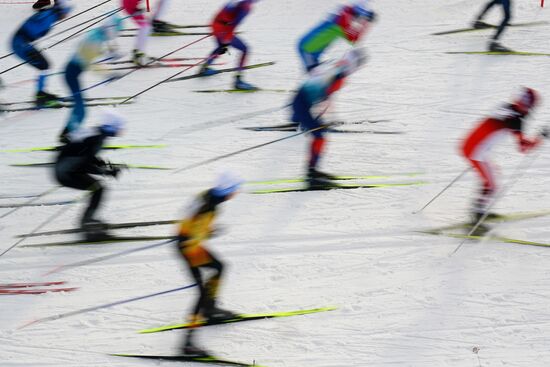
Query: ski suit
x=34 y=28
x=317 y=88
x=77 y=161
x=506 y=5
x=481 y=139
x=339 y=26
x=132 y=7
x=89 y=50
x=223 y=29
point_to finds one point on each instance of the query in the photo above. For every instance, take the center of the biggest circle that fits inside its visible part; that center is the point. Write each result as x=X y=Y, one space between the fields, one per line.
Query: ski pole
x=47 y=221
x=103 y=17
x=202 y=163
x=95 y=308
x=444 y=189
x=39 y=196
x=68 y=29
x=171 y=77
x=522 y=167
x=107 y=257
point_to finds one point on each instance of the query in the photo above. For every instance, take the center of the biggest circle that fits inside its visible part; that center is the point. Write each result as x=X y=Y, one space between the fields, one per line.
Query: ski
x=169 y=34
x=69 y=99
x=183 y=358
x=161 y=59
x=111 y=239
x=57 y=148
x=239 y=318
x=470 y=29
x=62 y=105
x=496 y=53
x=330 y=127
x=335 y=187
x=155 y=65
x=120 y=165
x=106 y=226
x=342 y=177
x=228 y=70
x=488 y=237
x=498 y=218
x=30 y=285
x=28 y=205
x=177 y=26
x=243 y=91
x=35 y=291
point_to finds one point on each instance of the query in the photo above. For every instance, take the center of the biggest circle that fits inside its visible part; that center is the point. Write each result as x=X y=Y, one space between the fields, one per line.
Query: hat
x=111 y=122
x=227 y=183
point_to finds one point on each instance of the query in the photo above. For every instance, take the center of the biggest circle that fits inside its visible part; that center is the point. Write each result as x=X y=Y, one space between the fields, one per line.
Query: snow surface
x=402 y=299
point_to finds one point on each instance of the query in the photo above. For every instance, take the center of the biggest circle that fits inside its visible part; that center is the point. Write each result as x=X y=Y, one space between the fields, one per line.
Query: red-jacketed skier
x=223 y=29
x=478 y=144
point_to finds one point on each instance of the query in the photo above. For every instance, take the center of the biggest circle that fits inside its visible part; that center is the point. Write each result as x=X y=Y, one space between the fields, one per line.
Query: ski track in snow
x=402 y=300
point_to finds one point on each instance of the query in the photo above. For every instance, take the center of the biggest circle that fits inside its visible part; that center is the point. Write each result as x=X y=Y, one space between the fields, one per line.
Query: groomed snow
x=402 y=299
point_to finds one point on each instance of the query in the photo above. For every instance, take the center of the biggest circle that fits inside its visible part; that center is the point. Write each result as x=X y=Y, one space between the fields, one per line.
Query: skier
x=134 y=9
x=322 y=82
x=34 y=28
x=475 y=148
x=204 y=266
x=78 y=160
x=98 y=42
x=349 y=23
x=494 y=44
x=223 y=28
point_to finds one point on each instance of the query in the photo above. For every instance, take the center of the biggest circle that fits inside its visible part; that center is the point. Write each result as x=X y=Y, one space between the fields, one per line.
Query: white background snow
x=402 y=300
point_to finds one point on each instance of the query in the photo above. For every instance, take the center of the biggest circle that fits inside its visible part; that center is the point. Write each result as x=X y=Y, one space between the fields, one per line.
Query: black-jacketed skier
x=494 y=44
x=203 y=265
x=77 y=162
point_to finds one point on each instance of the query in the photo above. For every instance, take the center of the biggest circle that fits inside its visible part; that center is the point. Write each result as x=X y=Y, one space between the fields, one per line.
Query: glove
x=223 y=49
x=112 y=169
x=526 y=145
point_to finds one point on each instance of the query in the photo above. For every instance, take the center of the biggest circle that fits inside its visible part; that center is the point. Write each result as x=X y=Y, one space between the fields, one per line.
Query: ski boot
x=207 y=71
x=41 y=4
x=140 y=59
x=161 y=27
x=214 y=314
x=95 y=230
x=481 y=229
x=191 y=350
x=479 y=24
x=320 y=180
x=45 y=99
x=242 y=85
x=495 y=46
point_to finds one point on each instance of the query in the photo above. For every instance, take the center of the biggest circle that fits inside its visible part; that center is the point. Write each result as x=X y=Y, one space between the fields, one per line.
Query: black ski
x=68 y=99
x=28 y=205
x=61 y=105
x=183 y=358
x=470 y=29
x=106 y=226
x=110 y=240
x=169 y=34
x=228 y=70
x=295 y=127
x=164 y=59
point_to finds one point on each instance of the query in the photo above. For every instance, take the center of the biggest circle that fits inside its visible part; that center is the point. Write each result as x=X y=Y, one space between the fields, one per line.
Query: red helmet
x=527 y=99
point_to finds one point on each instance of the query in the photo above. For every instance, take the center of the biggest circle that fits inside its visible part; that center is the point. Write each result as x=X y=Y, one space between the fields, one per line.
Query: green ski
x=57 y=148
x=243 y=91
x=336 y=187
x=470 y=29
x=489 y=237
x=183 y=358
x=239 y=318
x=342 y=177
x=496 y=53
x=228 y=70
x=120 y=165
